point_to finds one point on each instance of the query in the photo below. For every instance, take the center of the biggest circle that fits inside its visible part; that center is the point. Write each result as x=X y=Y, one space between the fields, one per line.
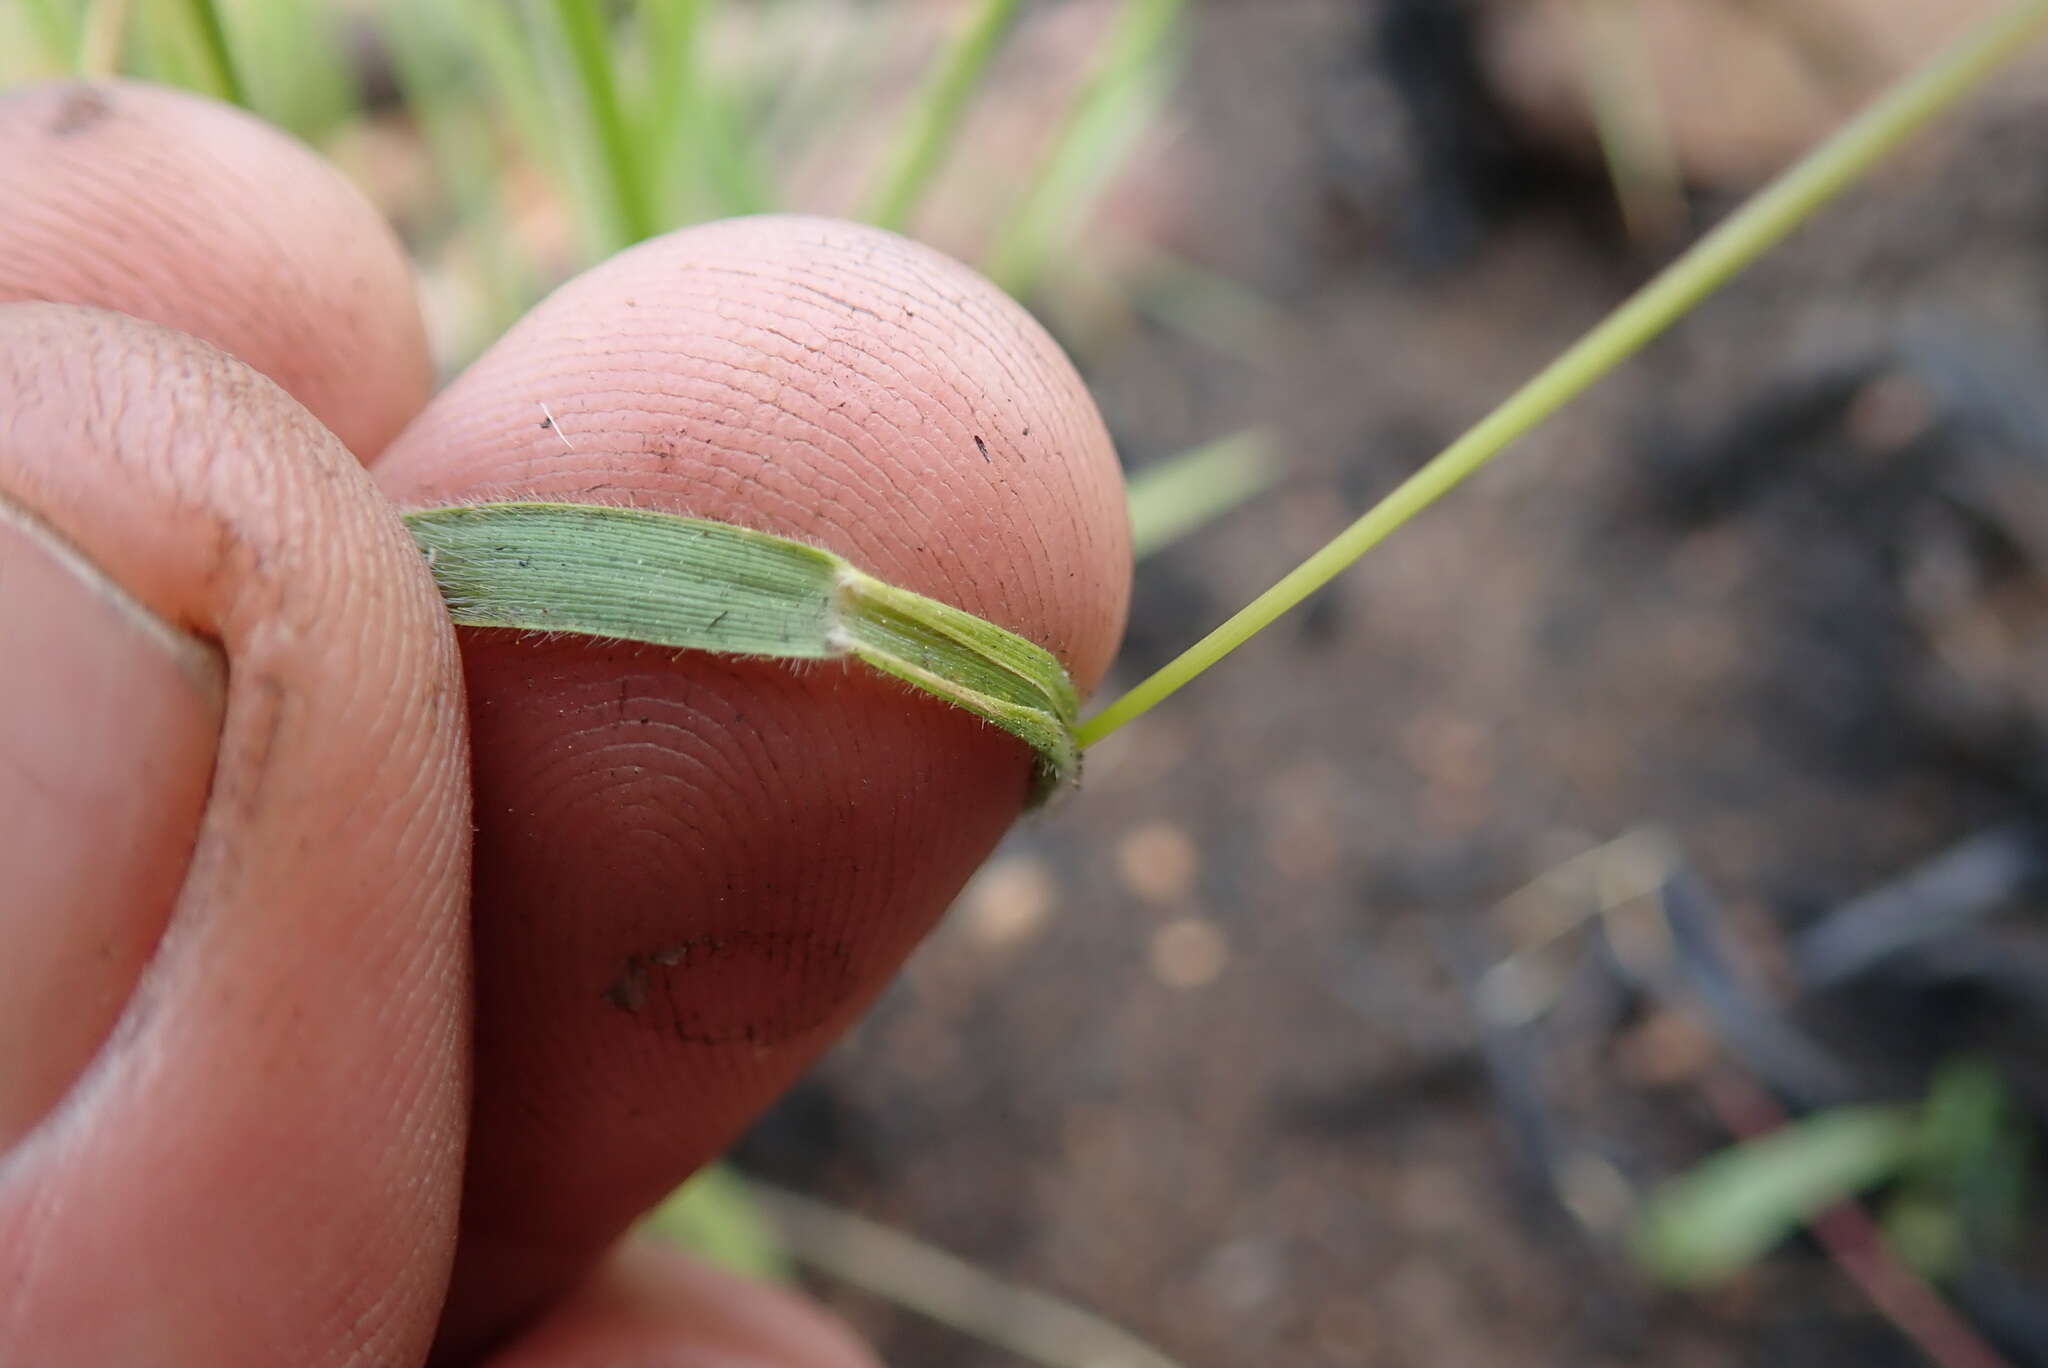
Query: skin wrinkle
x=798 y=500
x=901 y=493
x=568 y=754
x=1001 y=350
x=1041 y=592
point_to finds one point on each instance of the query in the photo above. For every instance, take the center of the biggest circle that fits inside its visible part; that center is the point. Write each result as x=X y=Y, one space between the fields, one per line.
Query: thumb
x=233 y=841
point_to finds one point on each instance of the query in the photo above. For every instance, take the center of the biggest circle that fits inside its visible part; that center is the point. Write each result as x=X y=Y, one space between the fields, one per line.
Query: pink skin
x=239 y=773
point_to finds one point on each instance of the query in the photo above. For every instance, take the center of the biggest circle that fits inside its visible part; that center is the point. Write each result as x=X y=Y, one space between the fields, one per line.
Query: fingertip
x=818 y=379
x=192 y=214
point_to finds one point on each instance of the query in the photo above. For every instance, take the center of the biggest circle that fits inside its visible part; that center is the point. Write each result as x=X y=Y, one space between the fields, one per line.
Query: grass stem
x=1762 y=223
x=1037 y=1328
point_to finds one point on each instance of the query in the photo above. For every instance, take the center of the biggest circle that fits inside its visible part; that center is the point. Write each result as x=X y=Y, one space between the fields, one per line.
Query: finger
x=651 y=1305
x=694 y=871
x=191 y=214
x=260 y=1163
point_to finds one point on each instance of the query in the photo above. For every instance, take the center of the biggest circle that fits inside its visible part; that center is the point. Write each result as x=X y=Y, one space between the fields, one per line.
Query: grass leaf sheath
x=635 y=575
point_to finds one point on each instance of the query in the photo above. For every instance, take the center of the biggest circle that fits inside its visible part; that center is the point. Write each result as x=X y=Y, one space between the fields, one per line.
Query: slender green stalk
x=1104 y=120
x=582 y=29
x=922 y=143
x=1747 y=234
x=210 y=43
x=1034 y=1326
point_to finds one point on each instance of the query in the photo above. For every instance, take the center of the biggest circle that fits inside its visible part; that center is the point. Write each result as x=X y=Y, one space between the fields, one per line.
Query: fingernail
x=109 y=719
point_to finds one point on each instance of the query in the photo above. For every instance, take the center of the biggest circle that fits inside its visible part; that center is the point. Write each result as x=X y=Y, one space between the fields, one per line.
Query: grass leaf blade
x=692 y=584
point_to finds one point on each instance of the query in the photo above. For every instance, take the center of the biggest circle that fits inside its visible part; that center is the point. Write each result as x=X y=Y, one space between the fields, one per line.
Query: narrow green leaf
x=1105 y=120
x=935 y=117
x=209 y=42
x=671 y=134
x=587 y=40
x=635 y=575
x=715 y=1216
x=1174 y=497
x=1733 y=1208
x=285 y=59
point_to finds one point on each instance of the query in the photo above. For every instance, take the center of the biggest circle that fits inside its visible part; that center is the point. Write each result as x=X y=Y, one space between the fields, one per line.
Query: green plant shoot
x=636 y=575
x=1762 y=223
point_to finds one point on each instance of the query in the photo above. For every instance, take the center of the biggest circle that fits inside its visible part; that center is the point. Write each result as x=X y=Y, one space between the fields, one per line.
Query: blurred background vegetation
x=1604 y=929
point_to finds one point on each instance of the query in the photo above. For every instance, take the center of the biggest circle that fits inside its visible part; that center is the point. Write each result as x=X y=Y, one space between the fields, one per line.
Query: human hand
x=244 y=1113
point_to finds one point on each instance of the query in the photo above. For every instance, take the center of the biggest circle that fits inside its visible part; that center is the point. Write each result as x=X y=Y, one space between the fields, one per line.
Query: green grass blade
x=1106 y=118
x=671 y=135
x=586 y=40
x=286 y=61
x=217 y=73
x=1175 y=497
x=715 y=1217
x=1730 y=1211
x=634 y=575
x=934 y=120
x=1747 y=234
x=733 y=167
x=1035 y=1327
x=491 y=32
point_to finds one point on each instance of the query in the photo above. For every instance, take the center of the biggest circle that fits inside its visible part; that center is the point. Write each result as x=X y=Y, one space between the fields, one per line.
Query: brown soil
x=1200 y=1050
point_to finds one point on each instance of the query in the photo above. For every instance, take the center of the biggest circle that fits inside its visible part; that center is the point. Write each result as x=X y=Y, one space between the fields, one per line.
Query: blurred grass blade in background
x=286 y=61
x=54 y=27
x=585 y=40
x=715 y=1216
x=1036 y=1327
x=668 y=134
x=1730 y=1211
x=200 y=36
x=934 y=120
x=1176 y=496
x=1126 y=89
